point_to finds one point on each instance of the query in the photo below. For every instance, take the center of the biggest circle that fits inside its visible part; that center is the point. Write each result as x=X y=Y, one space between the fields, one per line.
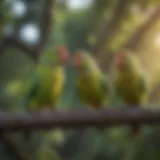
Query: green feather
x=91 y=85
x=32 y=89
x=45 y=84
x=131 y=85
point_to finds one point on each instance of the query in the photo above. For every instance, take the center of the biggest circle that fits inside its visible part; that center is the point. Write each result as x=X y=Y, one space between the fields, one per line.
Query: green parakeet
x=91 y=84
x=48 y=79
x=130 y=82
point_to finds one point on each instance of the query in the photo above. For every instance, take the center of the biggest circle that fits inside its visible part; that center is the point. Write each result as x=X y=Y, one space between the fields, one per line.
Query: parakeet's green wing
x=143 y=84
x=104 y=85
x=143 y=89
x=31 y=93
x=32 y=90
x=104 y=89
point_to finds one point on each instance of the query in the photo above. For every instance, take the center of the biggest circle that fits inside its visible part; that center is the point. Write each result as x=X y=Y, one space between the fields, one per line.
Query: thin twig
x=47 y=24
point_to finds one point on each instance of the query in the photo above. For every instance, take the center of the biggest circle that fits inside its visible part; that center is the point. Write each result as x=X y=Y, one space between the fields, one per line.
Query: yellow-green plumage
x=130 y=82
x=48 y=87
x=91 y=85
x=46 y=83
x=131 y=89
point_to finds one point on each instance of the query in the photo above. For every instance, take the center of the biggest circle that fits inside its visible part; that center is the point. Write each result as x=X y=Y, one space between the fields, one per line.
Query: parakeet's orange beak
x=64 y=55
x=76 y=59
x=118 y=61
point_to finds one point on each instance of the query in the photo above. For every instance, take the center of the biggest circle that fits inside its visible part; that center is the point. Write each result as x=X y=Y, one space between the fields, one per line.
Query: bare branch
x=138 y=35
x=47 y=23
x=77 y=119
x=109 y=28
x=13 y=148
x=134 y=40
x=15 y=43
x=46 y=27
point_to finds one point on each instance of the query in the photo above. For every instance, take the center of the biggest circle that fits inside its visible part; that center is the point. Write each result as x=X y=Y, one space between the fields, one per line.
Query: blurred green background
x=101 y=26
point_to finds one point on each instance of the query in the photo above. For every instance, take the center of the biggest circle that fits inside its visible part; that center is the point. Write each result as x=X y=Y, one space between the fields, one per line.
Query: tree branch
x=77 y=119
x=138 y=35
x=46 y=25
x=135 y=38
x=14 y=42
x=109 y=28
x=34 y=53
